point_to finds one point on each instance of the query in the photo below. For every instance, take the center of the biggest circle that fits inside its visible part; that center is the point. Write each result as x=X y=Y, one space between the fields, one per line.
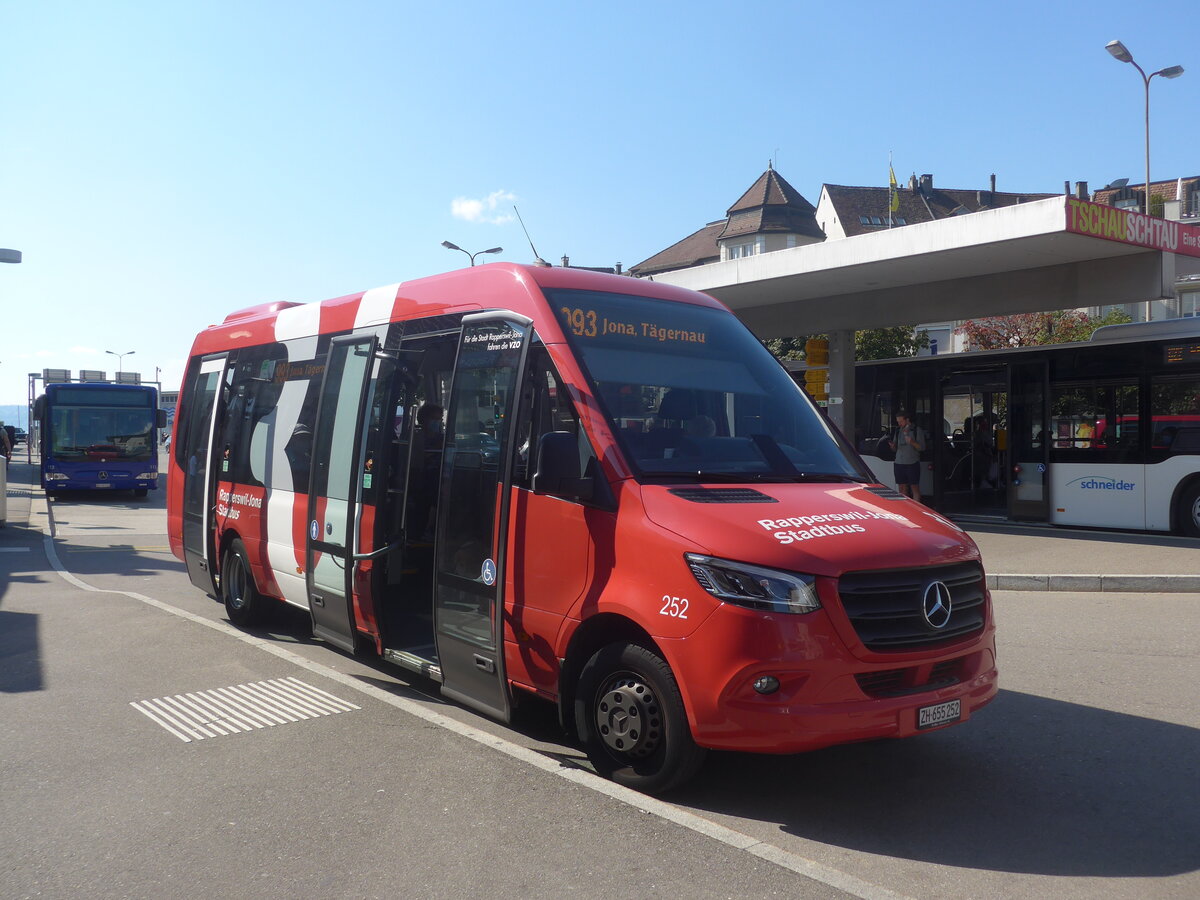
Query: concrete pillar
x=841 y=381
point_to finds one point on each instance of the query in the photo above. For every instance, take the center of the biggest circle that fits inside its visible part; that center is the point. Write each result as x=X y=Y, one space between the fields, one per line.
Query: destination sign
x=587 y=323
x=1182 y=353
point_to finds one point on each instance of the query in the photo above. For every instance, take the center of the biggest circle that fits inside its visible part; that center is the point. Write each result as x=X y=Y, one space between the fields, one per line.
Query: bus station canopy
x=1058 y=253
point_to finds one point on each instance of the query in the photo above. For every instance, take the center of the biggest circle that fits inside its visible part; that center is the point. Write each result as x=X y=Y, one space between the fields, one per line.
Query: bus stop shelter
x=1058 y=253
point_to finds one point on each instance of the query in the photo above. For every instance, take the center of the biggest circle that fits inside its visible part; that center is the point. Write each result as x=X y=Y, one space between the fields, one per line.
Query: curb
x=1147 y=584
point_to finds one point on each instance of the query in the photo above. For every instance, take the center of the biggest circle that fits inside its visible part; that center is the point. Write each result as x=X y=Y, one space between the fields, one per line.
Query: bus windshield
x=101 y=424
x=691 y=393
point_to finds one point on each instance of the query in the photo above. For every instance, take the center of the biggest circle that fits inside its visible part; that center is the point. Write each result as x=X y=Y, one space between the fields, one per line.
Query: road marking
x=240 y=708
x=14 y=549
x=794 y=862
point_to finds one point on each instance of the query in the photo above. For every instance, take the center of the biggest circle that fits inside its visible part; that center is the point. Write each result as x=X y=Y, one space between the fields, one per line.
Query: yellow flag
x=893 y=194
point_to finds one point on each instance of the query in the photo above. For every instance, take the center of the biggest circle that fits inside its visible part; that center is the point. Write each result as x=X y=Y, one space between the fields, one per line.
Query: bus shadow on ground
x=534 y=718
x=1032 y=785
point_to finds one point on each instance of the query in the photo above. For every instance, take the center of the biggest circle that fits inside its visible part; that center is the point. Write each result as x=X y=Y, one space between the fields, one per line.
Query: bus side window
x=1175 y=416
x=551 y=409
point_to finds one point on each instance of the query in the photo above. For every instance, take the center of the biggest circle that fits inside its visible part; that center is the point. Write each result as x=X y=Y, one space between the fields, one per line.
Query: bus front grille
x=887 y=607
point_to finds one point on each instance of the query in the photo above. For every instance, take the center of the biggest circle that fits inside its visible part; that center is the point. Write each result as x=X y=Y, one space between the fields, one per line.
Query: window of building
x=1189 y=304
x=745 y=248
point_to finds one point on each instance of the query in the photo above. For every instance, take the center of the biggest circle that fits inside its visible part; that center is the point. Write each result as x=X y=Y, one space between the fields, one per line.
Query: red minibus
x=530 y=481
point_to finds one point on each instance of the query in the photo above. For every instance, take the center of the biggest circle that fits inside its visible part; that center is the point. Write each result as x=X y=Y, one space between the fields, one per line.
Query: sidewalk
x=1045 y=558
x=22 y=488
x=1015 y=557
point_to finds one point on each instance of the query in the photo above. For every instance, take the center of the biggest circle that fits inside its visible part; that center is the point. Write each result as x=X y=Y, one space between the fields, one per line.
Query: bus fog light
x=766 y=684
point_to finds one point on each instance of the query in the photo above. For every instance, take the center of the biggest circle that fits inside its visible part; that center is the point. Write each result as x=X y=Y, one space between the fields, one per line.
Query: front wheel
x=243 y=603
x=632 y=722
x=1189 y=511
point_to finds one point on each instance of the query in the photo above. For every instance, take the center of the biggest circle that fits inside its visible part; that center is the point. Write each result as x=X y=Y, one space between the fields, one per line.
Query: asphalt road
x=1081 y=780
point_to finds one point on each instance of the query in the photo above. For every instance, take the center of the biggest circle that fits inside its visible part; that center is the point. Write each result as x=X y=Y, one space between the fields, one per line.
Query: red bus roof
x=492 y=286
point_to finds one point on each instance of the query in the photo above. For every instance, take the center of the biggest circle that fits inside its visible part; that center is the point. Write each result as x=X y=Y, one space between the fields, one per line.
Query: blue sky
x=165 y=163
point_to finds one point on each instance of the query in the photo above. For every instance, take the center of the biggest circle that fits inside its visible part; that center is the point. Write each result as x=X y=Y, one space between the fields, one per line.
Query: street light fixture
x=471 y=256
x=120 y=358
x=1121 y=54
x=10 y=256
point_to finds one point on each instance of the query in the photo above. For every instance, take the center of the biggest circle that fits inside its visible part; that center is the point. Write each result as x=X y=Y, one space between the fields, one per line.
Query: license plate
x=939 y=714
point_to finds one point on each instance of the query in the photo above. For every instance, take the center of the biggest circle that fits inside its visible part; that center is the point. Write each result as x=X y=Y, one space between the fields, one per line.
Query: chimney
x=912 y=183
x=993 y=182
x=566 y=261
x=1081 y=190
x=618 y=268
x=927 y=184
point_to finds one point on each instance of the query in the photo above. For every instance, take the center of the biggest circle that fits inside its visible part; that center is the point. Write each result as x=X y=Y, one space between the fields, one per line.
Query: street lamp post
x=1119 y=53
x=120 y=358
x=471 y=256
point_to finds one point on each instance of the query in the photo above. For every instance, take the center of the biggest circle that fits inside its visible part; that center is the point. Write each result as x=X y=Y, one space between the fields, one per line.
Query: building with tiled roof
x=845 y=211
x=770 y=215
x=1178 y=198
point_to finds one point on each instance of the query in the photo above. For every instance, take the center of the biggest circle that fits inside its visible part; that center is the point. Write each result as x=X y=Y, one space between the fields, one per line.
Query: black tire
x=244 y=605
x=1188 y=515
x=631 y=720
x=140 y=492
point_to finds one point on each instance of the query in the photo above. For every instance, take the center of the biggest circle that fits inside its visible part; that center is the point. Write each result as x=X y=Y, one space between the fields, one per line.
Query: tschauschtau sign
x=1112 y=224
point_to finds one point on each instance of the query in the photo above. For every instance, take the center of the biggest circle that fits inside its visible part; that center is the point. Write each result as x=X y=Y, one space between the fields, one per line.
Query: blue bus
x=99 y=436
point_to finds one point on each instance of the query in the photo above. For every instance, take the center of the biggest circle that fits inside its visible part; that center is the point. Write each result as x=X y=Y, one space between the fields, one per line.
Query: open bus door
x=473 y=510
x=335 y=488
x=199 y=480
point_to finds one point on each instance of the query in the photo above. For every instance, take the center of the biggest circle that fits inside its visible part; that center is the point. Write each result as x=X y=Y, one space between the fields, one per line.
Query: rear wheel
x=243 y=603
x=1188 y=515
x=631 y=720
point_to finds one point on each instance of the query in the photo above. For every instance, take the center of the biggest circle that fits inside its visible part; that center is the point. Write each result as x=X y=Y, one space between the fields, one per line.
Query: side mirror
x=558 y=471
x=160 y=418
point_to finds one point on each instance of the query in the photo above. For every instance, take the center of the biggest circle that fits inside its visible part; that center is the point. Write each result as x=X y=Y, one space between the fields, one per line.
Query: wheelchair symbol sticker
x=488 y=572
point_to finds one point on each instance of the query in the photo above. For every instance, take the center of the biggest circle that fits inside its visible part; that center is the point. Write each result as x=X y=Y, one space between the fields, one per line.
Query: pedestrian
x=908 y=442
x=6 y=444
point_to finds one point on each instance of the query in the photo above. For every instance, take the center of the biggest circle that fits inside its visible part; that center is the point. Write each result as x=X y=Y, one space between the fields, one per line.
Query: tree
x=874 y=343
x=889 y=343
x=1034 y=329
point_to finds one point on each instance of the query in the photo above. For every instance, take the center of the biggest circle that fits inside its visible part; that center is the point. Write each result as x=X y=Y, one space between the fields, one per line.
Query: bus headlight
x=56 y=476
x=754 y=586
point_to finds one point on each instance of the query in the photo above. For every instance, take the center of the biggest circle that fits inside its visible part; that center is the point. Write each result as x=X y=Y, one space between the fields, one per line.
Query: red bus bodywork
x=578 y=577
